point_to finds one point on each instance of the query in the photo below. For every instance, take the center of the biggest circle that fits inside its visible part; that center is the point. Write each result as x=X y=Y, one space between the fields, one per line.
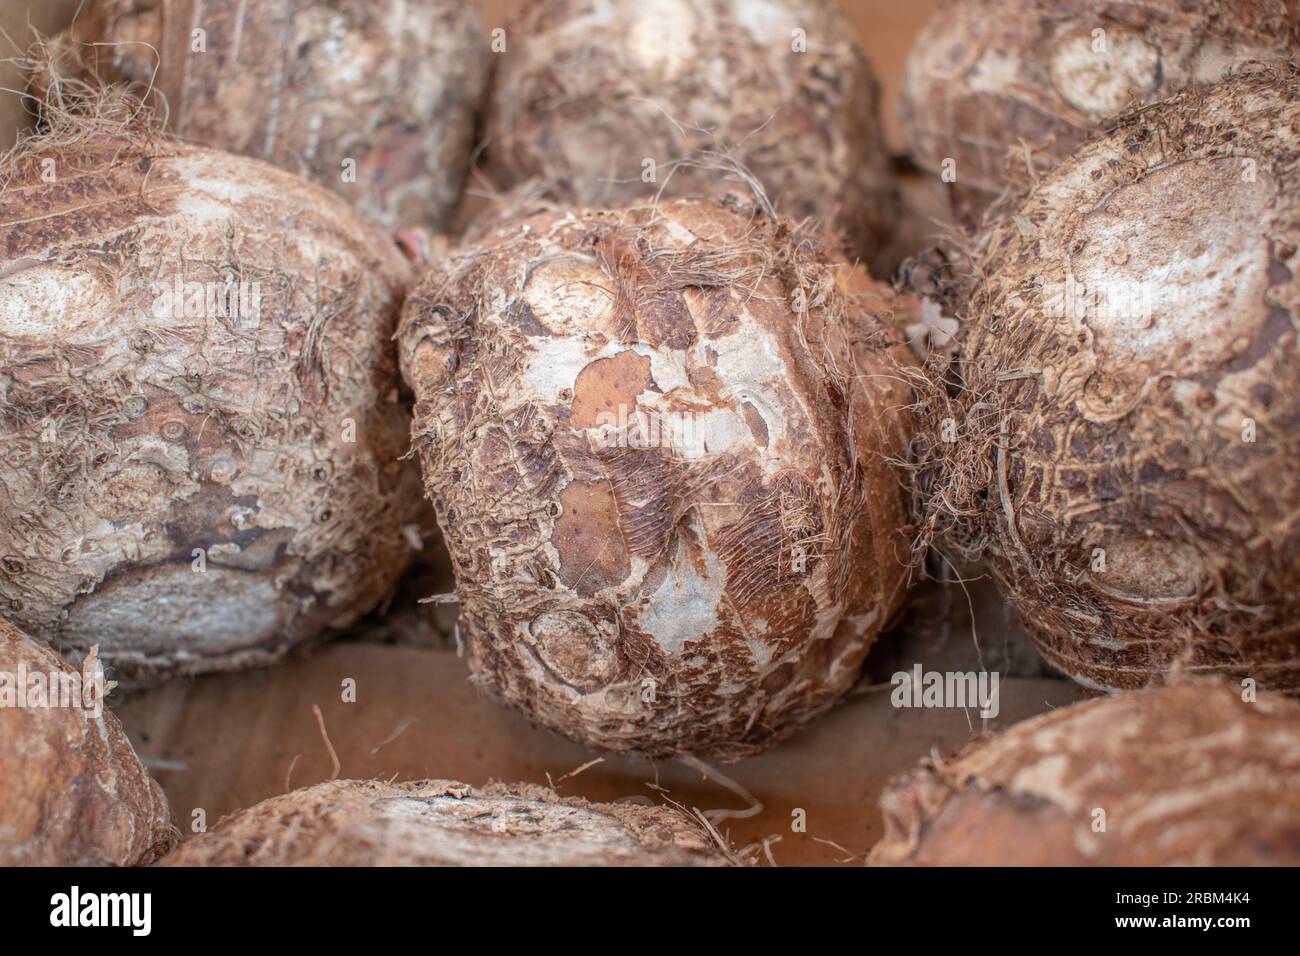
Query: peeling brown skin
x=1126 y=434
x=72 y=791
x=131 y=439
x=307 y=84
x=588 y=90
x=589 y=560
x=1186 y=776
x=444 y=823
x=986 y=76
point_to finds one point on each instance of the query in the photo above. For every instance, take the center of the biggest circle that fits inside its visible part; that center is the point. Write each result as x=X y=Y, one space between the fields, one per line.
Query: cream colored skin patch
x=1169 y=293
x=1099 y=71
x=662 y=36
x=39 y=300
x=685 y=606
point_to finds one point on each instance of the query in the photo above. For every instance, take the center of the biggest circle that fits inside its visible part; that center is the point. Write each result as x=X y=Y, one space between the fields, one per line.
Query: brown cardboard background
x=17 y=19
x=225 y=742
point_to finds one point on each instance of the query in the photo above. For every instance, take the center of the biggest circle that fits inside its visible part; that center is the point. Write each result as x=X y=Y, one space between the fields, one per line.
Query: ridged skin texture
x=394 y=85
x=1176 y=776
x=589 y=89
x=72 y=791
x=669 y=497
x=991 y=81
x=443 y=823
x=1142 y=457
x=134 y=432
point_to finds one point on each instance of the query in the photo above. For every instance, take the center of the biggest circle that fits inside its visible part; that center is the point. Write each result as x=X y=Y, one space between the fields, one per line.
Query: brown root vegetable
x=992 y=84
x=1190 y=775
x=443 y=823
x=1131 y=451
x=200 y=424
x=661 y=444
x=72 y=791
x=589 y=94
x=376 y=100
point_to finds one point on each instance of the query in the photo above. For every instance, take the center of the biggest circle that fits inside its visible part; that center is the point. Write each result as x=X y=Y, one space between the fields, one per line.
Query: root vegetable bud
x=605 y=100
x=661 y=444
x=200 y=424
x=990 y=83
x=442 y=823
x=72 y=791
x=1177 y=776
x=1132 y=445
x=374 y=100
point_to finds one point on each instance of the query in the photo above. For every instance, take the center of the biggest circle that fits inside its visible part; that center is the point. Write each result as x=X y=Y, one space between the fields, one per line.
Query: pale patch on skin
x=555 y=367
x=751 y=363
x=210 y=195
x=71 y=301
x=766 y=21
x=828 y=620
x=685 y=606
x=1101 y=83
x=1201 y=290
x=1046 y=777
x=994 y=71
x=1212 y=60
x=662 y=37
x=212 y=198
x=747 y=359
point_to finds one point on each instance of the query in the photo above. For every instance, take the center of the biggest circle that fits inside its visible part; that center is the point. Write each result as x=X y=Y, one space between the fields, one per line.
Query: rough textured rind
x=1190 y=775
x=655 y=478
x=72 y=791
x=991 y=82
x=588 y=90
x=1132 y=464
x=443 y=823
x=132 y=433
x=394 y=85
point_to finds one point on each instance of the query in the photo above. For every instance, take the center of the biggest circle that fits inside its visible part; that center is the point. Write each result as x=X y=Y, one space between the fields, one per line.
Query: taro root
x=200 y=430
x=443 y=823
x=610 y=102
x=376 y=100
x=993 y=84
x=662 y=446
x=1191 y=775
x=1131 y=449
x=72 y=791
